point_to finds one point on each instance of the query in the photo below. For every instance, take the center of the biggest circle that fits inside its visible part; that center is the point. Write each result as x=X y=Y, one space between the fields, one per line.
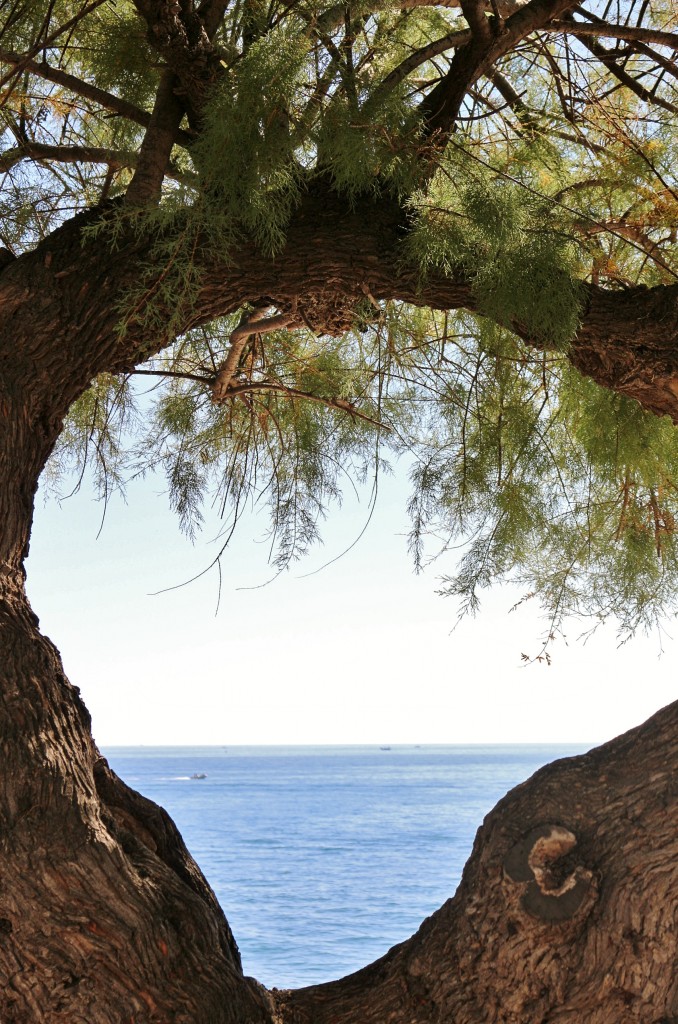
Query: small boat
x=384 y=748
x=199 y=775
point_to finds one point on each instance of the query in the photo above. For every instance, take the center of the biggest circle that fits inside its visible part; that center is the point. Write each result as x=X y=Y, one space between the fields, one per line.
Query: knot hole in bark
x=555 y=886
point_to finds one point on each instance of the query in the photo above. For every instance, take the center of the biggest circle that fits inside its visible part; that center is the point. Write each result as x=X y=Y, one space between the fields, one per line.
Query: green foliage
x=281 y=442
x=115 y=49
x=370 y=148
x=502 y=234
x=538 y=475
x=95 y=434
x=245 y=157
x=551 y=482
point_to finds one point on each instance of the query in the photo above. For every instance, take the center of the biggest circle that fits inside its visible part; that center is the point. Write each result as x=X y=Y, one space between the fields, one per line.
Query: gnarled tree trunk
x=104 y=917
x=565 y=911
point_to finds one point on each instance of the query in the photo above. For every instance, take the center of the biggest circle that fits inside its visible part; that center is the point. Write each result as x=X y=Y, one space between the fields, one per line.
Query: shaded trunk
x=565 y=911
x=104 y=917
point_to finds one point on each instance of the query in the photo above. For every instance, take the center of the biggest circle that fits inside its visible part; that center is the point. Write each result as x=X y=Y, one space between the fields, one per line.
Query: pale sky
x=362 y=652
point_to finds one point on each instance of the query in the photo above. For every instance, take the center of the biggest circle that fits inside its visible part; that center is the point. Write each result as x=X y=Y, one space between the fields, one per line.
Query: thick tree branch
x=570 y=881
x=211 y=13
x=440 y=109
x=453 y=40
x=474 y=12
x=154 y=154
x=635 y=36
x=627 y=341
x=177 y=32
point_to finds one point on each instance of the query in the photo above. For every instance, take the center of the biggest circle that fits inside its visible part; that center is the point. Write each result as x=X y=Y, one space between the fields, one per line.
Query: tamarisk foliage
x=525 y=153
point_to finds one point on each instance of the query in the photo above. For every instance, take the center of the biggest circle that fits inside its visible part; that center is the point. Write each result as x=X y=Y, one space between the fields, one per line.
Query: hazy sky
x=361 y=652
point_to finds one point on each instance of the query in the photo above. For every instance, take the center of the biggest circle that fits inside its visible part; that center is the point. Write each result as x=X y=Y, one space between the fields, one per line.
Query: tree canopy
x=343 y=232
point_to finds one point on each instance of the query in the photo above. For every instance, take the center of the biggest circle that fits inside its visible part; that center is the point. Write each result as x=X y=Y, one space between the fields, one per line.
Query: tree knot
x=554 y=887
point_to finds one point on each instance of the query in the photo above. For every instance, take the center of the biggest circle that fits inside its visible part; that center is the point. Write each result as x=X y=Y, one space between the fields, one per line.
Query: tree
x=335 y=231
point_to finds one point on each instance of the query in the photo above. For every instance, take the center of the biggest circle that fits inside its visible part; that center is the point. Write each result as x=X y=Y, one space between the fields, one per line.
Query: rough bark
x=104 y=917
x=566 y=910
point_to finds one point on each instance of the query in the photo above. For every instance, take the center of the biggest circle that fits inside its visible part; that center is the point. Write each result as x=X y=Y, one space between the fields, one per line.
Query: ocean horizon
x=323 y=857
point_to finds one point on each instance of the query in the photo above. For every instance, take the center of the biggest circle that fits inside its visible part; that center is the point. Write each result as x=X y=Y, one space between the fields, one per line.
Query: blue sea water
x=325 y=857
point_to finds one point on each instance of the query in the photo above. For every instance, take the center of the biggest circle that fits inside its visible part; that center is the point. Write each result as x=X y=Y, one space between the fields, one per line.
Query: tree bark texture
x=566 y=909
x=104 y=916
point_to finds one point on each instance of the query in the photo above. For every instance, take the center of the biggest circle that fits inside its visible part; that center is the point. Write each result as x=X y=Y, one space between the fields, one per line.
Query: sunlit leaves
x=545 y=479
x=502 y=235
x=96 y=434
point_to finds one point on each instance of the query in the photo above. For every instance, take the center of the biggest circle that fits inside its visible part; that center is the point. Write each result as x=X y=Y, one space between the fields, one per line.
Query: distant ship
x=199 y=775
x=384 y=748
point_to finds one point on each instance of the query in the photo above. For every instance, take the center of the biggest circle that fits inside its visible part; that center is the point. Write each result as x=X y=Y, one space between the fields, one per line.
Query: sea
x=324 y=857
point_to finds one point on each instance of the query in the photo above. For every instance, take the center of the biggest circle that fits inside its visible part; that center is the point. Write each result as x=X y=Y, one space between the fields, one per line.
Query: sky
x=360 y=651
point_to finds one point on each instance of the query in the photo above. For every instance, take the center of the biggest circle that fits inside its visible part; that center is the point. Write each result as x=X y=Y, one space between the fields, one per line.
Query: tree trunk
x=104 y=917
x=565 y=911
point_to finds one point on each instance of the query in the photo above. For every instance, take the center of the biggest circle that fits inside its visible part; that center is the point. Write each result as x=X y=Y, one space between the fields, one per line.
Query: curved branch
x=255 y=323
x=440 y=108
x=419 y=57
x=249 y=387
x=458 y=38
x=543 y=908
x=627 y=340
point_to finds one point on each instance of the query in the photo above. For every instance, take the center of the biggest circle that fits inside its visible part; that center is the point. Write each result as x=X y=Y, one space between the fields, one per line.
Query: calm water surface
x=325 y=857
